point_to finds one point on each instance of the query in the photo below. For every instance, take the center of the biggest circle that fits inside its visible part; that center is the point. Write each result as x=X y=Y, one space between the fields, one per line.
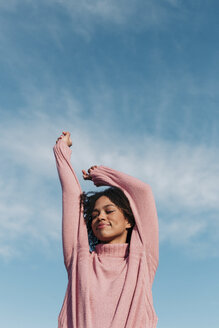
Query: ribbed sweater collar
x=115 y=250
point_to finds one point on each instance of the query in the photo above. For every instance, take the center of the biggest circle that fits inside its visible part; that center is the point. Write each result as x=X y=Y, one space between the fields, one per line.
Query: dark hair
x=117 y=196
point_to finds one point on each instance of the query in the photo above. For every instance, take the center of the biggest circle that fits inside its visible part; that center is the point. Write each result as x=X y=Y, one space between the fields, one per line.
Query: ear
x=128 y=225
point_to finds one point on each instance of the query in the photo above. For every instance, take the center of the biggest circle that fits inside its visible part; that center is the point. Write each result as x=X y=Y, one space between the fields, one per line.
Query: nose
x=101 y=216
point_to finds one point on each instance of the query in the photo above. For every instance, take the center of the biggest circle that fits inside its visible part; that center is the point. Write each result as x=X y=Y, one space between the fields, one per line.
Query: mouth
x=102 y=225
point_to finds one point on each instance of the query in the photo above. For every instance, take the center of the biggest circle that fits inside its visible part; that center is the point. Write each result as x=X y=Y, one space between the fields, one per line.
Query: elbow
x=145 y=189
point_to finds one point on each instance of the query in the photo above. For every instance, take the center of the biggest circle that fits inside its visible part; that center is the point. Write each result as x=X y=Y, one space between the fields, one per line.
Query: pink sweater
x=110 y=287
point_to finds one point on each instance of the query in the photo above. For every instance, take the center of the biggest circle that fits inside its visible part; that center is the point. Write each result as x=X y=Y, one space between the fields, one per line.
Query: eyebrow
x=96 y=210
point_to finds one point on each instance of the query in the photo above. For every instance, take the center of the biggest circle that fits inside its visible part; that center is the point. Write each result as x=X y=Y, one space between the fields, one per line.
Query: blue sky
x=136 y=83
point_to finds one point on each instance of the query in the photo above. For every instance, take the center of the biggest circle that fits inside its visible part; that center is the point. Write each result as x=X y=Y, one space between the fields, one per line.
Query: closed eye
x=95 y=215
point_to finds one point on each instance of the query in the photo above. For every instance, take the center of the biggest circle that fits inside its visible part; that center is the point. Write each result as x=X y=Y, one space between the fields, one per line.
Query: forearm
x=67 y=176
x=71 y=192
x=135 y=188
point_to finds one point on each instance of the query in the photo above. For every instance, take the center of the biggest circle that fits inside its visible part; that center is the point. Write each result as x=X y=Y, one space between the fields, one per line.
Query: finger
x=92 y=168
x=66 y=133
x=86 y=176
x=85 y=173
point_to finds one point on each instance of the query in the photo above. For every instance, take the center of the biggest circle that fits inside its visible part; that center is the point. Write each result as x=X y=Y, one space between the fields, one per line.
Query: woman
x=110 y=286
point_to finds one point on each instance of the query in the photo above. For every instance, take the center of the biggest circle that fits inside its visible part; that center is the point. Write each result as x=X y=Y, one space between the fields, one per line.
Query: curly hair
x=117 y=196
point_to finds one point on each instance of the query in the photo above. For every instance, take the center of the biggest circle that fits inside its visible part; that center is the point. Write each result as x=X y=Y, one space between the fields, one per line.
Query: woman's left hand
x=86 y=175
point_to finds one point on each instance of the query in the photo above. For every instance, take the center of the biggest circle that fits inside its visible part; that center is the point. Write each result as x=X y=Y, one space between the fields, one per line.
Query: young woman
x=111 y=285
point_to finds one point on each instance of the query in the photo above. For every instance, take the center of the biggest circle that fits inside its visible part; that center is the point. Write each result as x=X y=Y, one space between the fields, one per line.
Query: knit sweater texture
x=110 y=287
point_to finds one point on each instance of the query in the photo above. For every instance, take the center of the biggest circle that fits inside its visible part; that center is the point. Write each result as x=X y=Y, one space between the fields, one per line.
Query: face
x=109 y=224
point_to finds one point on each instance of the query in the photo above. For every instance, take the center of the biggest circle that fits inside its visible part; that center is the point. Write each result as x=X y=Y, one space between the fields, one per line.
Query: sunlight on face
x=109 y=224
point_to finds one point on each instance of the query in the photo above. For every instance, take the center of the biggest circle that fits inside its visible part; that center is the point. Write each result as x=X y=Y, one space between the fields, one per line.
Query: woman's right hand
x=66 y=137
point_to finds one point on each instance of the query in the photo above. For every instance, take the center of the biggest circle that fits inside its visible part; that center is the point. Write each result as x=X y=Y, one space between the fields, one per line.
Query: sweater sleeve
x=143 y=206
x=74 y=229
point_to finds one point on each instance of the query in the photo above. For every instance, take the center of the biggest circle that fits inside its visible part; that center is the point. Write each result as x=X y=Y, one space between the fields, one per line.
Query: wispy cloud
x=87 y=15
x=184 y=177
x=130 y=15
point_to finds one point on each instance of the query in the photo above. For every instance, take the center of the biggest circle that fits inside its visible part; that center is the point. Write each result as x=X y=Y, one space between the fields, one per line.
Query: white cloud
x=181 y=230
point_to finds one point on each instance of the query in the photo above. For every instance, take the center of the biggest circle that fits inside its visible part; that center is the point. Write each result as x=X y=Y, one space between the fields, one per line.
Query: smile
x=102 y=225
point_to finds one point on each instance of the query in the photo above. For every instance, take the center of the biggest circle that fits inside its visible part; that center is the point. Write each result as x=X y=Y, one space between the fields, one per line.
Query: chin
x=104 y=239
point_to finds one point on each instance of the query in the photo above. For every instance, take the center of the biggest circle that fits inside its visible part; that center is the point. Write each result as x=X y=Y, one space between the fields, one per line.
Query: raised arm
x=142 y=203
x=73 y=225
